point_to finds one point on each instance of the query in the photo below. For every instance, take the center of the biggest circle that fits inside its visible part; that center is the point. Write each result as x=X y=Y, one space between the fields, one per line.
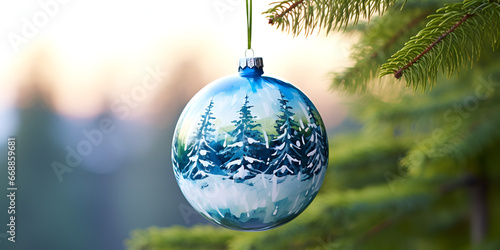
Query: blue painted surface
x=250 y=151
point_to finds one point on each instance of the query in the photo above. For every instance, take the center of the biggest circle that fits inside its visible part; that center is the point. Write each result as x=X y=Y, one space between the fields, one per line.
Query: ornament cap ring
x=249 y=50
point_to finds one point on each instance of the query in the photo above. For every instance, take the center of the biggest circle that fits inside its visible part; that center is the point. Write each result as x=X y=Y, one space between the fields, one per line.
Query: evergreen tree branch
x=452 y=39
x=377 y=43
x=397 y=36
x=285 y=11
x=399 y=73
x=306 y=15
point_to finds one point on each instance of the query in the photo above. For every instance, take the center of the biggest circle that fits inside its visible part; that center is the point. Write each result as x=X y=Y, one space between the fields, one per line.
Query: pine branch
x=306 y=15
x=377 y=43
x=452 y=39
x=399 y=73
x=408 y=26
x=271 y=19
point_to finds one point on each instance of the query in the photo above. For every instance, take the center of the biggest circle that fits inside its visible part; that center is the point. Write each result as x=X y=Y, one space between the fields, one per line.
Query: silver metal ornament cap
x=251 y=62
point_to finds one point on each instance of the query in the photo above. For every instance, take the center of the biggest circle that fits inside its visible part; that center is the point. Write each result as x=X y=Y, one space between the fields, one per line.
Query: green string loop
x=249 y=23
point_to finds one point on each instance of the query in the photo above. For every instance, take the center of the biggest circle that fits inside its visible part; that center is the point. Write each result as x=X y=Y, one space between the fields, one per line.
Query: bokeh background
x=65 y=66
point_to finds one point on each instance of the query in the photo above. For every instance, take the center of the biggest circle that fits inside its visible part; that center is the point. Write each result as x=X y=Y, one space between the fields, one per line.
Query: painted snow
x=250 y=153
x=260 y=203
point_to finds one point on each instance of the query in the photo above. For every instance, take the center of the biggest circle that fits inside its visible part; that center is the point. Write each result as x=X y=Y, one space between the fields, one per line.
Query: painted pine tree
x=285 y=158
x=244 y=161
x=176 y=160
x=200 y=154
x=313 y=144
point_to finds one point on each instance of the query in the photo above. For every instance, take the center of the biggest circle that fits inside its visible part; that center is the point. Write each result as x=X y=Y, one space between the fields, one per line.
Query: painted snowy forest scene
x=250 y=153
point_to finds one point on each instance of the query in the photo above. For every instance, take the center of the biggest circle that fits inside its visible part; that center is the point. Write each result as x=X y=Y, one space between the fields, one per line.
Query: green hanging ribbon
x=249 y=23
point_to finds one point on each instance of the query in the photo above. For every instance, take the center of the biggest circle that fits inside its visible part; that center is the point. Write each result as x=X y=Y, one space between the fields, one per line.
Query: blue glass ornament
x=250 y=152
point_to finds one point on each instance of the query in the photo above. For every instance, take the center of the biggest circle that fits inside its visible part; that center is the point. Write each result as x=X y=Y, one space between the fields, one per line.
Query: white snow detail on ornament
x=241 y=173
x=291 y=160
x=284 y=133
x=205 y=163
x=235 y=162
x=313 y=152
x=251 y=141
x=193 y=158
x=265 y=138
x=280 y=147
x=251 y=159
x=283 y=169
x=236 y=144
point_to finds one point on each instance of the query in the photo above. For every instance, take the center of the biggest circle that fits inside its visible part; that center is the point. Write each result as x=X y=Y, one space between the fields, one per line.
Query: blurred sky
x=65 y=65
x=93 y=49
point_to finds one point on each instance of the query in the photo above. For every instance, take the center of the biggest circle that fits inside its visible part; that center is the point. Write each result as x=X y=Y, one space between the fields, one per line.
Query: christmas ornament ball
x=250 y=151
